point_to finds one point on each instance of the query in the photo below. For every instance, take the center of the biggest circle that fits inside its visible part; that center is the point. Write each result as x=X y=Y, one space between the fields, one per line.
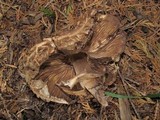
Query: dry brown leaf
x=124 y=107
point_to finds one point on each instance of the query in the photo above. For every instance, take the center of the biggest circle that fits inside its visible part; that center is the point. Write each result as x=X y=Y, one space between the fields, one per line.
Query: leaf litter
x=24 y=23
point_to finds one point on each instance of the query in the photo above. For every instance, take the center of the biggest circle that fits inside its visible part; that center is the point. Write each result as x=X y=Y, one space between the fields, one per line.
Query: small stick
x=133 y=106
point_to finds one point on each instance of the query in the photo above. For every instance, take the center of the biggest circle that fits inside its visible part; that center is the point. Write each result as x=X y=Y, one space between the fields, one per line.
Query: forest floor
x=23 y=23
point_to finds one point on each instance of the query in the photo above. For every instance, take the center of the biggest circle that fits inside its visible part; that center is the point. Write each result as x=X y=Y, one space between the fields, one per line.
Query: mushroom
x=84 y=62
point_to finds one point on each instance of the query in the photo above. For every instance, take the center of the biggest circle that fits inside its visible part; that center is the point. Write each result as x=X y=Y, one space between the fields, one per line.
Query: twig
x=9 y=5
x=133 y=81
x=157 y=110
x=49 y=3
x=55 y=8
x=56 y=18
x=7 y=111
x=133 y=106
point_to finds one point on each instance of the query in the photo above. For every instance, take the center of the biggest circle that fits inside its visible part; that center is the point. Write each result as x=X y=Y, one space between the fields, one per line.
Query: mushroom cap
x=74 y=40
x=52 y=76
x=112 y=49
x=107 y=41
x=106 y=26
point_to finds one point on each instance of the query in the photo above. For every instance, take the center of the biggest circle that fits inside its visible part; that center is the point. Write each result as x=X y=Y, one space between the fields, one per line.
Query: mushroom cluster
x=75 y=60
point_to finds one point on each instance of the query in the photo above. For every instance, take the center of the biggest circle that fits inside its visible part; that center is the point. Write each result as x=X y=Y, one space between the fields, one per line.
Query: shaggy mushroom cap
x=87 y=51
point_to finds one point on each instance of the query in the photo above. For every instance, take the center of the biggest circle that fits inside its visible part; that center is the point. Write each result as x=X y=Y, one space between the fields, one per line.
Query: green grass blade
x=153 y=95
x=119 y=96
x=125 y=96
x=47 y=12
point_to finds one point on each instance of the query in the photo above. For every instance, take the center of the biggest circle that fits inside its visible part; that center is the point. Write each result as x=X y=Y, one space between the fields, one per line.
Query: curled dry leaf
x=53 y=76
